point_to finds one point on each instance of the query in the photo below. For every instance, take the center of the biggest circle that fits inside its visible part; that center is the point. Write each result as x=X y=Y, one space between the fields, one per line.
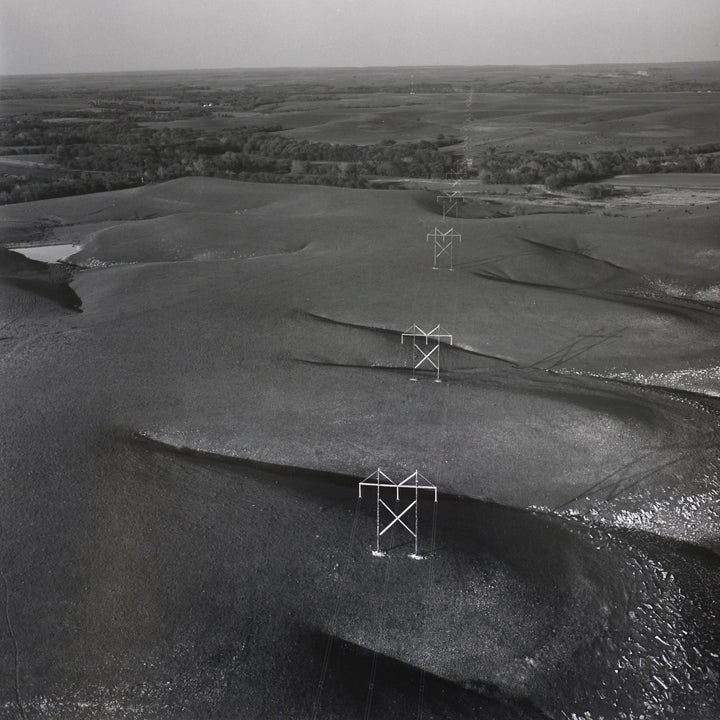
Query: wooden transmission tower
x=407 y=491
x=443 y=245
x=426 y=348
x=451 y=201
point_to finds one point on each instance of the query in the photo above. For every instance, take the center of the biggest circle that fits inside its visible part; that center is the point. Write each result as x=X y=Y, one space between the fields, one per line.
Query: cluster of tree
x=19 y=188
x=17 y=134
x=557 y=170
x=95 y=156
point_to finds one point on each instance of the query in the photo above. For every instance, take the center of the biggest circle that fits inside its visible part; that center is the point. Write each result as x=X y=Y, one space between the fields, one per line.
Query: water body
x=48 y=253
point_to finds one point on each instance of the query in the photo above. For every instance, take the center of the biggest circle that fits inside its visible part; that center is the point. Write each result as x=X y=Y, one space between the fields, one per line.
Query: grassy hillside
x=152 y=567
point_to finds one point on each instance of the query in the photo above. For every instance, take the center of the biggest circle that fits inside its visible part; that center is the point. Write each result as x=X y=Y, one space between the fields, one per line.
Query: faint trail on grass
x=381 y=631
x=388 y=419
x=470 y=265
x=626 y=477
x=578 y=347
x=441 y=460
x=333 y=623
x=430 y=580
x=16 y=651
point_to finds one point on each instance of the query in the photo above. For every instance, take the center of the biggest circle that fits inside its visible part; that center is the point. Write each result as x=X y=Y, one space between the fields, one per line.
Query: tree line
x=562 y=169
x=96 y=156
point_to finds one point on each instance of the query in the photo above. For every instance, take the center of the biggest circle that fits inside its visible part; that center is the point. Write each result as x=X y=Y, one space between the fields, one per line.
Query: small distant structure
x=426 y=348
x=450 y=201
x=458 y=175
x=443 y=245
x=413 y=483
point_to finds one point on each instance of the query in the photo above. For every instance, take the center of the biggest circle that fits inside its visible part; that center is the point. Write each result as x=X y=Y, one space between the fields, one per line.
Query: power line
x=331 y=629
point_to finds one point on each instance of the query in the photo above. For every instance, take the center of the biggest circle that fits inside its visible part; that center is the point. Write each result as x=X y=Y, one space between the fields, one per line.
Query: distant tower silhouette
x=443 y=245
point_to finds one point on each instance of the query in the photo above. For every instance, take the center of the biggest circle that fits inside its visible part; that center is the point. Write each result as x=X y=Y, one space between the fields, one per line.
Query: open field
x=672 y=181
x=182 y=535
x=541 y=121
x=36 y=165
x=192 y=395
x=556 y=126
x=553 y=108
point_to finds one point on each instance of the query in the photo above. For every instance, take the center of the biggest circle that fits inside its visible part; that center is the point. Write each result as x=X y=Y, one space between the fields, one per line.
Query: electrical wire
x=439 y=478
x=431 y=556
x=333 y=621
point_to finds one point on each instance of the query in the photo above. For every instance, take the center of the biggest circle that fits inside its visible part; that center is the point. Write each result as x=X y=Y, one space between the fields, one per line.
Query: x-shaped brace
x=397 y=518
x=440 y=248
x=427 y=356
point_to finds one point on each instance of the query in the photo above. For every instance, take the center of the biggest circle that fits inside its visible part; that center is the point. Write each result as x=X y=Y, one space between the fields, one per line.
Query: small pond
x=47 y=253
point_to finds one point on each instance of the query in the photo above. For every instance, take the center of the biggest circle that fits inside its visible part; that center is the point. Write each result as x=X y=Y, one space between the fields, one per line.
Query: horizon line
x=356 y=67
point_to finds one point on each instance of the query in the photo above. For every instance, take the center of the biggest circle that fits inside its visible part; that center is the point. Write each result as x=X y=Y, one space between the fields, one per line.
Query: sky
x=62 y=36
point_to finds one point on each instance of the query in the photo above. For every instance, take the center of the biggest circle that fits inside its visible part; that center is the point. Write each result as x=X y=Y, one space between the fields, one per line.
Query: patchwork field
x=558 y=108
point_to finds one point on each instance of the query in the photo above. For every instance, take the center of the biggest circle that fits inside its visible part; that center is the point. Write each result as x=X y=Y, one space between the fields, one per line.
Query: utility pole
x=428 y=358
x=443 y=245
x=408 y=488
x=450 y=201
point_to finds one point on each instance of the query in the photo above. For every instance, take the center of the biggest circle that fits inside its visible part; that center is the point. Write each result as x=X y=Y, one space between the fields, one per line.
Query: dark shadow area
x=49 y=280
x=358 y=683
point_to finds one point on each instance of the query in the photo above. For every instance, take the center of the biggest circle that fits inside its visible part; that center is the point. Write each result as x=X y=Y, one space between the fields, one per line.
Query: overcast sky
x=42 y=36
